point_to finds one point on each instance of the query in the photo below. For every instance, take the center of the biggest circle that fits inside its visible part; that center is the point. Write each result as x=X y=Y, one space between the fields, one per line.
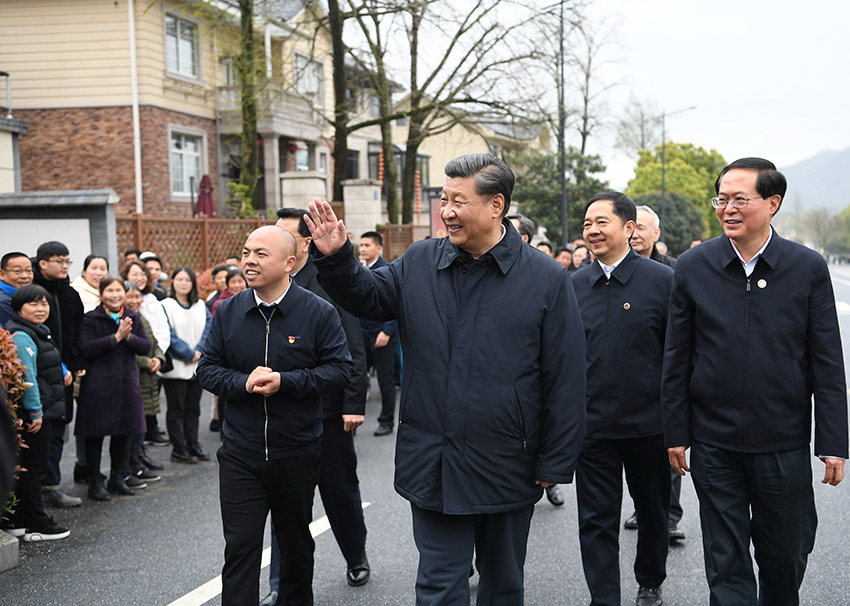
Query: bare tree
x=639 y=128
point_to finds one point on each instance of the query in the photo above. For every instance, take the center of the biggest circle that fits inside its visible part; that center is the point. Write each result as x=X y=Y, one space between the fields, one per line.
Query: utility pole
x=663 y=118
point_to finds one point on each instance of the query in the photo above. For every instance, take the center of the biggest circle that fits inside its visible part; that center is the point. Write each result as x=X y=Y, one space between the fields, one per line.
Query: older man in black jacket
x=492 y=405
x=753 y=334
x=273 y=350
x=623 y=299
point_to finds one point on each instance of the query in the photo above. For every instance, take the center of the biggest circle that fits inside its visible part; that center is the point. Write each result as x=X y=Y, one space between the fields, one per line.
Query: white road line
x=212 y=588
x=842 y=307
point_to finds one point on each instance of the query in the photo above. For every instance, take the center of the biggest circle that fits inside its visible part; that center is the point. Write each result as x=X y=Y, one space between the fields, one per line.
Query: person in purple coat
x=110 y=400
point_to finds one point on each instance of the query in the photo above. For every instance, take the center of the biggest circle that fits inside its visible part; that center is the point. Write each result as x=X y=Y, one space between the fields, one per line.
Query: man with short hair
x=15 y=271
x=753 y=335
x=131 y=254
x=53 y=262
x=273 y=351
x=219 y=278
x=623 y=299
x=154 y=265
x=380 y=339
x=524 y=226
x=647 y=233
x=545 y=247
x=580 y=256
x=564 y=256
x=493 y=404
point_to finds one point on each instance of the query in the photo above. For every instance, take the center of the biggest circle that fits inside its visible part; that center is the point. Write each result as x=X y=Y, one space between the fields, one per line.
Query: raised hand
x=125 y=326
x=328 y=232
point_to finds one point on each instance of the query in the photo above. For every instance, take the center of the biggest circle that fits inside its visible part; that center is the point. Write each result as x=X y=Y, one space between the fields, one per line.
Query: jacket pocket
x=520 y=419
x=406 y=388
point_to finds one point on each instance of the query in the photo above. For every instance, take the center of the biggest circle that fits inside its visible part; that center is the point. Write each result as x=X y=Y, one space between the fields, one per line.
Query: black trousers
x=29 y=512
x=248 y=490
x=119 y=455
x=384 y=361
x=446 y=543
x=767 y=498
x=183 y=412
x=340 y=490
x=599 y=496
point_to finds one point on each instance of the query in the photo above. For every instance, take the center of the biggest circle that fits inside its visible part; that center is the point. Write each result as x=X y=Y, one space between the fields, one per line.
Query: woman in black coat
x=110 y=400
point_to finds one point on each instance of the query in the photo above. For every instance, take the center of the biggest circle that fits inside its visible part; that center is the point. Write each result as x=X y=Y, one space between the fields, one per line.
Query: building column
x=271 y=169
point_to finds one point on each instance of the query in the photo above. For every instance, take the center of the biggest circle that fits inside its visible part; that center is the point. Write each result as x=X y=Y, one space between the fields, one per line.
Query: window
x=374 y=107
x=323 y=162
x=401 y=121
x=353 y=164
x=228 y=68
x=310 y=80
x=302 y=160
x=181 y=47
x=187 y=157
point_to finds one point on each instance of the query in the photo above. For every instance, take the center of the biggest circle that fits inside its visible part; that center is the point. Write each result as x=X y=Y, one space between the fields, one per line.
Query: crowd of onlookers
x=105 y=345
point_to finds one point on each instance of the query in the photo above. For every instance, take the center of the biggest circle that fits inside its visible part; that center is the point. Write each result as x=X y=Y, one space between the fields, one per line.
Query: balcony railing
x=272 y=101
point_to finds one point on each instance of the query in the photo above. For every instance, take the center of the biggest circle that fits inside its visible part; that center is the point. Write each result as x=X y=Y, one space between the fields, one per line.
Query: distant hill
x=818 y=182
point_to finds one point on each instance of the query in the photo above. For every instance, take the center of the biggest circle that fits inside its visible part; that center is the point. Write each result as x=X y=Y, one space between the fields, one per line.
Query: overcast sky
x=769 y=79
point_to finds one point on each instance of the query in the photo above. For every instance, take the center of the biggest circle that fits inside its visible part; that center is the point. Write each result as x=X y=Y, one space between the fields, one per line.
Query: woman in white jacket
x=153 y=312
x=87 y=284
x=190 y=322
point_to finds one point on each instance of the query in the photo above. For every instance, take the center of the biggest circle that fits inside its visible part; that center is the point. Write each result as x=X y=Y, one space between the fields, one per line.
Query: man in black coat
x=50 y=269
x=492 y=406
x=380 y=339
x=752 y=336
x=623 y=299
x=344 y=411
x=273 y=351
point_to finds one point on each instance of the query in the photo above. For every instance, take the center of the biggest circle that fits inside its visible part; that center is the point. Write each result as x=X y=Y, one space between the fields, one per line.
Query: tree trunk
x=249 y=173
x=340 y=153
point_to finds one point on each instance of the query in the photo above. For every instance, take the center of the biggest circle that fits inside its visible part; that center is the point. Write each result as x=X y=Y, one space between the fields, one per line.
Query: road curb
x=9 y=551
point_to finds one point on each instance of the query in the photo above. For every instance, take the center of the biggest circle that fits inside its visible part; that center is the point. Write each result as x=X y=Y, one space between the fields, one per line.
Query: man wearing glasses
x=66 y=313
x=752 y=336
x=15 y=271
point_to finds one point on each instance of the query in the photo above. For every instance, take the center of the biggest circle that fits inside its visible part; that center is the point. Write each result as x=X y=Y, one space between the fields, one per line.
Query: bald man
x=272 y=351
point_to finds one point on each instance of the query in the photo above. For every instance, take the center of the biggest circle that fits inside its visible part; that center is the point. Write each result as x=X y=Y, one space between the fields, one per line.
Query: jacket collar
x=505 y=253
x=622 y=273
x=246 y=303
x=770 y=255
x=307 y=272
x=41 y=330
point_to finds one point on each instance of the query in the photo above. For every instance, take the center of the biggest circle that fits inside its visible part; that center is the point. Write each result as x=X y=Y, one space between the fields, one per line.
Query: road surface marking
x=212 y=588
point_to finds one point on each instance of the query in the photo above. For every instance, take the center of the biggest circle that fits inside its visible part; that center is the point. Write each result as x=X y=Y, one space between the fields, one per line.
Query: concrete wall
x=362 y=206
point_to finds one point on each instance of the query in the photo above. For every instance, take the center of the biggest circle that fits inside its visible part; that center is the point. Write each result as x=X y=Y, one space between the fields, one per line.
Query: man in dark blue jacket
x=380 y=339
x=623 y=299
x=753 y=334
x=492 y=406
x=272 y=351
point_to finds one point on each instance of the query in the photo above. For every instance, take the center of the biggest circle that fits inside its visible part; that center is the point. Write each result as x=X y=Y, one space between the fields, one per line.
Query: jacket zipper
x=265 y=400
x=747 y=362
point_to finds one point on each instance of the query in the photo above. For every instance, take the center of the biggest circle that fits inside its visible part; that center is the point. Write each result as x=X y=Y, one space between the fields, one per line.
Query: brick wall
x=90 y=148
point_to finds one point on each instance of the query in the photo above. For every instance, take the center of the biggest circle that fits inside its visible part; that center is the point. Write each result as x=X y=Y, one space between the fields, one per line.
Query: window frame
x=202 y=165
x=178 y=75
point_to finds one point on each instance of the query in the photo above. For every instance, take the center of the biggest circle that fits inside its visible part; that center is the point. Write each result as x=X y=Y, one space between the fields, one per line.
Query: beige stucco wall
x=7 y=163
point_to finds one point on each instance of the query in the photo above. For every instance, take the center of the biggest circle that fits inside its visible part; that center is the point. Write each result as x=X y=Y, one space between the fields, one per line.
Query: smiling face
x=267 y=259
x=35 y=311
x=18 y=272
x=113 y=296
x=605 y=233
x=133 y=300
x=748 y=227
x=95 y=272
x=473 y=221
x=139 y=276
x=220 y=280
x=56 y=267
x=182 y=285
x=236 y=284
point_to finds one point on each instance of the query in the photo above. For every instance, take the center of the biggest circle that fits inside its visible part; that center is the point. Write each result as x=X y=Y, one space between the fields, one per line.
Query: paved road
x=160 y=547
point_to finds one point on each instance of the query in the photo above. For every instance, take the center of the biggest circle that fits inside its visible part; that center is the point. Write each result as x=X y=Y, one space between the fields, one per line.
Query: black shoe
x=196 y=451
x=156 y=438
x=358 y=574
x=674 y=532
x=146 y=460
x=553 y=493
x=117 y=485
x=147 y=476
x=182 y=457
x=384 y=430
x=134 y=482
x=649 y=596
x=215 y=425
x=81 y=474
x=270 y=600
x=49 y=532
x=631 y=522
x=97 y=492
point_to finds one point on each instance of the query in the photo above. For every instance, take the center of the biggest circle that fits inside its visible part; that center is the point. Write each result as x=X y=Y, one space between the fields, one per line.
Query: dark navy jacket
x=304 y=343
x=371 y=328
x=493 y=393
x=625 y=321
x=352 y=399
x=745 y=355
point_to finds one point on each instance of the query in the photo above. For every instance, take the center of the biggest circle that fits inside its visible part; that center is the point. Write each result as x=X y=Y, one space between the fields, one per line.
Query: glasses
x=18 y=272
x=62 y=262
x=737 y=202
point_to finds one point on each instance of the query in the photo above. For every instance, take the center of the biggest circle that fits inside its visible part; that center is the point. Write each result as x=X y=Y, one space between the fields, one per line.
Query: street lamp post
x=663 y=118
x=562 y=123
